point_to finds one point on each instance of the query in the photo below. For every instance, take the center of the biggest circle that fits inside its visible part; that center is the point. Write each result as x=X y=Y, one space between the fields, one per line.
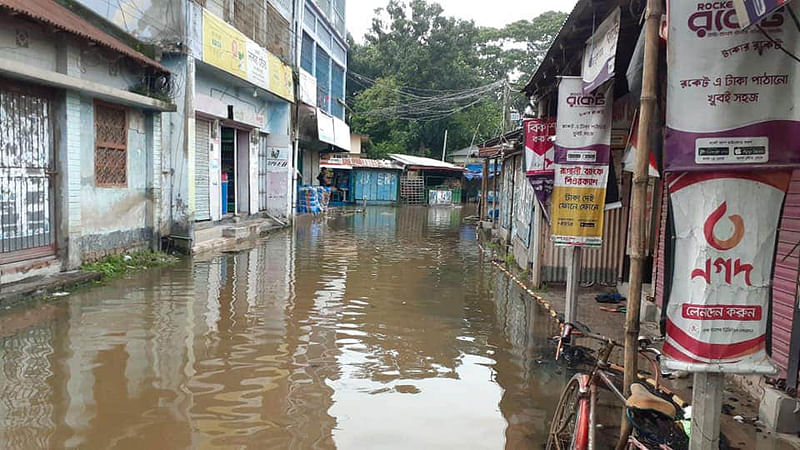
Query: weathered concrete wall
x=146 y=20
x=115 y=218
x=90 y=221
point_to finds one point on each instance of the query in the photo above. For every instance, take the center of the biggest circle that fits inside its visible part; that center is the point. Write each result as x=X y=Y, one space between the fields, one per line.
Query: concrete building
x=80 y=141
x=322 y=65
x=228 y=146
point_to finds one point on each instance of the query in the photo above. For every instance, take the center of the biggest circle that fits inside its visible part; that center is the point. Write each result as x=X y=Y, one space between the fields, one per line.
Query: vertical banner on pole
x=582 y=155
x=600 y=55
x=731 y=93
x=725 y=227
x=540 y=155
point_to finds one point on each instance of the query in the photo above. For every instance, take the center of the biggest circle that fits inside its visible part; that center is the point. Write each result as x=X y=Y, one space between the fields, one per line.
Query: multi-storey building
x=322 y=61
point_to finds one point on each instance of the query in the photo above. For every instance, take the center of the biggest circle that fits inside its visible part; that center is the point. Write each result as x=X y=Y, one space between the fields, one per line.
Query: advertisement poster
x=582 y=155
x=730 y=93
x=725 y=226
x=750 y=12
x=540 y=135
x=224 y=46
x=600 y=55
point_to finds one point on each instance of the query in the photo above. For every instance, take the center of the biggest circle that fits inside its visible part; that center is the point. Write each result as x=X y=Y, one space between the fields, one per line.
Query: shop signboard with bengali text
x=725 y=230
x=228 y=49
x=582 y=156
x=731 y=93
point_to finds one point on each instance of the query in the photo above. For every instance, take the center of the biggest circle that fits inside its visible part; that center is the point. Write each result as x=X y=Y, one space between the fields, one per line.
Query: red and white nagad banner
x=539 y=155
x=725 y=229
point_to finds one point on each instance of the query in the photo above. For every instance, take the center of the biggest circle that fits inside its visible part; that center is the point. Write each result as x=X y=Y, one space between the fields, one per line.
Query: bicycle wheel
x=570 y=426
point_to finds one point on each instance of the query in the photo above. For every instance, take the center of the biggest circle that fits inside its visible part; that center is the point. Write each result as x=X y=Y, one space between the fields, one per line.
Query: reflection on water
x=381 y=330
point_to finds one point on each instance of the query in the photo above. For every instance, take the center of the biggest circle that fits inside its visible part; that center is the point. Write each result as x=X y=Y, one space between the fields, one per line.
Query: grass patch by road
x=118 y=265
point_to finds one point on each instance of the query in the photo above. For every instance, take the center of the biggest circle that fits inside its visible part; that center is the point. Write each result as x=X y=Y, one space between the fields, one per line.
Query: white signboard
x=341 y=134
x=257 y=65
x=325 y=128
x=725 y=227
x=731 y=93
x=308 y=88
x=599 y=58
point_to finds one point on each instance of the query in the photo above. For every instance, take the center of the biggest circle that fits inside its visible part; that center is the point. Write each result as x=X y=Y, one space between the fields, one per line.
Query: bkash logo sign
x=711 y=224
x=719 y=17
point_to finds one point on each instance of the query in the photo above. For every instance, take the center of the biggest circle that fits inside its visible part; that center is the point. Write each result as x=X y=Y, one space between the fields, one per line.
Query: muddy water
x=376 y=330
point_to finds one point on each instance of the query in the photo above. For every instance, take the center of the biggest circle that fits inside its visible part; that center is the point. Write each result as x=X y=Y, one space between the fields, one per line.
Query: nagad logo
x=579 y=100
x=714 y=17
x=713 y=220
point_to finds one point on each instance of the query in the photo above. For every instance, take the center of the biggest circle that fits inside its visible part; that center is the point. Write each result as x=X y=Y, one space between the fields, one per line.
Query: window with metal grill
x=307 y=54
x=323 y=80
x=111 y=145
x=309 y=18
x=337 y=91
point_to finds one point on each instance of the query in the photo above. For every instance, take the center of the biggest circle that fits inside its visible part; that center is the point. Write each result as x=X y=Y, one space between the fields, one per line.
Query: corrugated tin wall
x=601 y=266
x=784 y=288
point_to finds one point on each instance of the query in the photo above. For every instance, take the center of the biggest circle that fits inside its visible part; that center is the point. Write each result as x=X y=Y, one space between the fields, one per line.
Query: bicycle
x=655 y=418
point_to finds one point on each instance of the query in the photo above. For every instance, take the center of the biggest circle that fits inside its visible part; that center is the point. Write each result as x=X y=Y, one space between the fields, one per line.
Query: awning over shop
x=422 y=163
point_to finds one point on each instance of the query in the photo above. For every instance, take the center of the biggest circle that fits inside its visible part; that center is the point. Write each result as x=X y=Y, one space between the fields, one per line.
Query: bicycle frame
x=584 y=438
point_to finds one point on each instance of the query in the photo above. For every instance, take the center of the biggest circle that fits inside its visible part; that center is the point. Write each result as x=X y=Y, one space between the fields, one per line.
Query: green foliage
x=117 y=265
x=413 y=49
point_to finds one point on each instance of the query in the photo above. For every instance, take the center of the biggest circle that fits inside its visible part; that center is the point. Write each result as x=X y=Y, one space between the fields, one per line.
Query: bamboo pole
x=484 y=188
x=638 y=203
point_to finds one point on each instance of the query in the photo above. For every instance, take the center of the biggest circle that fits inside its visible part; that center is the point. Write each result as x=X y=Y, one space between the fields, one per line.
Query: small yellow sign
x=224 y=46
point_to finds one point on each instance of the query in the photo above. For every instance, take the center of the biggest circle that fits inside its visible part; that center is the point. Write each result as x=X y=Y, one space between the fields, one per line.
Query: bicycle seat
x=641 y=398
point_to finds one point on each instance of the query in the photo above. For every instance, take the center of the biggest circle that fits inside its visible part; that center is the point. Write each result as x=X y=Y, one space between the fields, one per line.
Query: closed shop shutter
x=201 y=177
x=784 y=286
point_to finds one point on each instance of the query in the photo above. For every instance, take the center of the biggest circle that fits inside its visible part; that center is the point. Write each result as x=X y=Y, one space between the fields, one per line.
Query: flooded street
x=378 y=330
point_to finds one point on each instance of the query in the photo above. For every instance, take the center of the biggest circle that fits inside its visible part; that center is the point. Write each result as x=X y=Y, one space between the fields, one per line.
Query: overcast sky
x=494 y=13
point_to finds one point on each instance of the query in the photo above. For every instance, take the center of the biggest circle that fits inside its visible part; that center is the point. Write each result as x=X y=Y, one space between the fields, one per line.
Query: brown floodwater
x=386 y=329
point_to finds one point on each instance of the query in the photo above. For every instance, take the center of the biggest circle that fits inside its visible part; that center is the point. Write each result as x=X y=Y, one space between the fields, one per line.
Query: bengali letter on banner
x=540 y=155
x=725 y=227
x=582 y=154
x=731 y=93
x=751 y=12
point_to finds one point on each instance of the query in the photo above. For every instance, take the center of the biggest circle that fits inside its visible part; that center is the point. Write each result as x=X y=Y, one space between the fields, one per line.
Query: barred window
x=111 y=145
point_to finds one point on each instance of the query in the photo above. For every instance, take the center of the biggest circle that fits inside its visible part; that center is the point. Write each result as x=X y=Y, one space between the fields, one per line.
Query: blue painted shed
x=378 y=186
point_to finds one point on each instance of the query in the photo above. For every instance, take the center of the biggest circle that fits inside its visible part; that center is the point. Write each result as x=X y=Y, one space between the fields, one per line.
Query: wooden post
x=706 y=409
x=573 y=275
x=638 y=204
x=484 y=187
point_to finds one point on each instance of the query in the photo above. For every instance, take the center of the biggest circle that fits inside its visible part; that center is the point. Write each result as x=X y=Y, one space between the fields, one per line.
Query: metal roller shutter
x=201 y=176
x=785 y=329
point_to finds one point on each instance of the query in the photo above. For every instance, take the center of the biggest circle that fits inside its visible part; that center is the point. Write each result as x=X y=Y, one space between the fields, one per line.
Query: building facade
x=322 y=66
x=80 y=141
x=228 y=145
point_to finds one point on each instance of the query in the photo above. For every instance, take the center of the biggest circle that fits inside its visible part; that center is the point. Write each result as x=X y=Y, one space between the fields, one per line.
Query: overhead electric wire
x=436 y=105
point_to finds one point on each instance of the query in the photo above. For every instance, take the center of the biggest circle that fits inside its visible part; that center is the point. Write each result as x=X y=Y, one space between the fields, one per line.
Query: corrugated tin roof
x=54 y=14
x=360 y=163
x=424 y=163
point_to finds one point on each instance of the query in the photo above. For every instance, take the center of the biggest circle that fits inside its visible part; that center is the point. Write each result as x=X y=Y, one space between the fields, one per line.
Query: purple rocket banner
x=731 y=93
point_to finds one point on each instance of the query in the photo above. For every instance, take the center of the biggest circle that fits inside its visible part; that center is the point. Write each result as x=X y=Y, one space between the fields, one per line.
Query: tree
x=413 y=50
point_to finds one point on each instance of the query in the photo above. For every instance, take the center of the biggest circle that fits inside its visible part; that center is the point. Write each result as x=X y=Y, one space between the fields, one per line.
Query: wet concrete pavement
x=378 y=330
